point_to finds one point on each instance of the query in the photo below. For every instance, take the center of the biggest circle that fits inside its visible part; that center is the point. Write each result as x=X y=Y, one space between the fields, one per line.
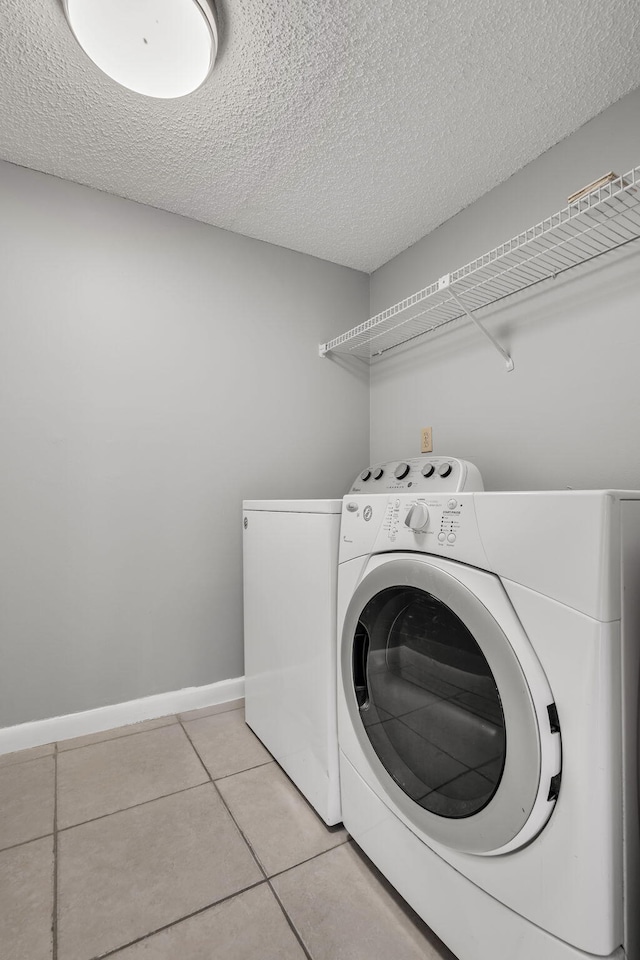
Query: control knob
x=428 y=469
x=401 y=471
x=418 y=516
x=377 y=473
x=364 y=476
x=445 y=469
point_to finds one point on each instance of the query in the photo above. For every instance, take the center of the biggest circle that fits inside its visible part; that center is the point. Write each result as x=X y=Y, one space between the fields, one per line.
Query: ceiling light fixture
x=160 y=48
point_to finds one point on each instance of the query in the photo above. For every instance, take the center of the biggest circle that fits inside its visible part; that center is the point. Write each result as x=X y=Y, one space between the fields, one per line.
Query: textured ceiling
x=343 y=128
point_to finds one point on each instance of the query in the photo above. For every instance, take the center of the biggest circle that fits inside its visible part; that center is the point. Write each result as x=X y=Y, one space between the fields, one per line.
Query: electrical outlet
x=426 y=440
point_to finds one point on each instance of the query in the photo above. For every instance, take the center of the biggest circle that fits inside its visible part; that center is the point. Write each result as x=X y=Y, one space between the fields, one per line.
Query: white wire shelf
x=601 y=221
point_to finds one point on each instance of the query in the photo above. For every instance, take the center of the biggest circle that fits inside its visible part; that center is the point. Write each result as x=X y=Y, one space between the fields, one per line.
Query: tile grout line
x=290 y=922
x=21 y=763
x=222 y=800
x=322 y=853
x=287 y=918
x=241 y=832
x=253 y=852
x=174 y=923
x=54 y=743
x=183 y=718
x=238 y=773
x=54 y=917
x=132 y=733
x=80 y=746
x=165 y=796
x=122 y=736
x=143 y=803
x=23 y=843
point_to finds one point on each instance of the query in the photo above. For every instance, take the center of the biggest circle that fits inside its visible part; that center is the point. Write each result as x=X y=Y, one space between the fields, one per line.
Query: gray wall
x=569 y=414
x=154 y=372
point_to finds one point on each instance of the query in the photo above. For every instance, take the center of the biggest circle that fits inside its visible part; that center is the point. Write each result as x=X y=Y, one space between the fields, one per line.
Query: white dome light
x=161 y=48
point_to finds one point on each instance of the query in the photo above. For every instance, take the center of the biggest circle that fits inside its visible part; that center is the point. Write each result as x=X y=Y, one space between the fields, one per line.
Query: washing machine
x=290 y=567
x=488 y=713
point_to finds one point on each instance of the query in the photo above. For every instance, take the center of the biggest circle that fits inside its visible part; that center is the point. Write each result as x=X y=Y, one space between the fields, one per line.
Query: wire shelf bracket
x=601 y=221
x=445 y=281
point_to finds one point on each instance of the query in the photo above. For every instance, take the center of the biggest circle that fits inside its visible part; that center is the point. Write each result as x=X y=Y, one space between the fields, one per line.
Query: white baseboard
x=38 y=732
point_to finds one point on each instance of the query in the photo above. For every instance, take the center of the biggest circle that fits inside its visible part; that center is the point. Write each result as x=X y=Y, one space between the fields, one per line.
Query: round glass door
x=440 y=705
x=428 y=701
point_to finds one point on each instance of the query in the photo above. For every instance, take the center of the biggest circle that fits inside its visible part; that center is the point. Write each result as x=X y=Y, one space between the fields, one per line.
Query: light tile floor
x=181 y=838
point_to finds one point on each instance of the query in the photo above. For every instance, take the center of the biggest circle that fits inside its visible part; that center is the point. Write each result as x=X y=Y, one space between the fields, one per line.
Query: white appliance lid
x=294 y=506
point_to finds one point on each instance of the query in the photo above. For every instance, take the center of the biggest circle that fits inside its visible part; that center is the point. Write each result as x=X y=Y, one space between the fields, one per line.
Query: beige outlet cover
x=426 y=444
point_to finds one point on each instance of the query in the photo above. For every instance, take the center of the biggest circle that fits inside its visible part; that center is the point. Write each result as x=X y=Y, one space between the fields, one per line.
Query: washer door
x=443 y=710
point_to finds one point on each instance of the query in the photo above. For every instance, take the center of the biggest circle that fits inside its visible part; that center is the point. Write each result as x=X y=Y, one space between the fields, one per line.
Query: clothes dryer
x=488 y=714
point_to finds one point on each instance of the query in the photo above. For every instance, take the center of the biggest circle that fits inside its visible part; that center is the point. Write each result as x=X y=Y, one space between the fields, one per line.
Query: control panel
x=440 y=524
x=419 y=475
x=436 y=520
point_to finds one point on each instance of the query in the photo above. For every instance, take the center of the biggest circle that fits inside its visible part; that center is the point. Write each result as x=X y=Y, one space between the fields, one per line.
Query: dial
x=418 y=516
x=377 y=473
x=445 y=469
x=364 y=476
x=401 y=471
x=428 y=470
